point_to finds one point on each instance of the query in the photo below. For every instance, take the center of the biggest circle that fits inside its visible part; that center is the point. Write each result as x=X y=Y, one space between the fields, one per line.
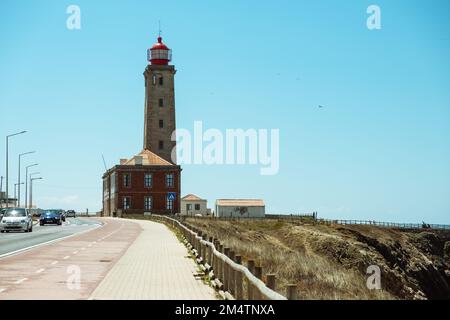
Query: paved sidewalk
x=155 y=267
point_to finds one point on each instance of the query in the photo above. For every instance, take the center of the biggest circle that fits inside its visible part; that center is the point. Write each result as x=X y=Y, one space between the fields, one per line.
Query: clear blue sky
x=380 y=149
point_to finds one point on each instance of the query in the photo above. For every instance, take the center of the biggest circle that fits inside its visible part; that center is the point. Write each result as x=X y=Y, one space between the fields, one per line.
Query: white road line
x=83 y=248
x=40 y=270
x=49 y=242
x=54 y=262
x=75 y=252
x=66 y=257
x=21 y=280
x=2 y=290
x=89 y=245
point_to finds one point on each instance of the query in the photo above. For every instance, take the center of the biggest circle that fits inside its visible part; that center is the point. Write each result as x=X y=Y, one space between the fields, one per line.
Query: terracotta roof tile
x=191 y=197
x=148 y=158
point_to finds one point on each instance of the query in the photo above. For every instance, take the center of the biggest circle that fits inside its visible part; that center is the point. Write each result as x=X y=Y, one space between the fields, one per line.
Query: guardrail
x=225 y=269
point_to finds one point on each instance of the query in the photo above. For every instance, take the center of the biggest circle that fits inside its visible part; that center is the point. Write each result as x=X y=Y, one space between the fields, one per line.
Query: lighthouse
x=159 y=105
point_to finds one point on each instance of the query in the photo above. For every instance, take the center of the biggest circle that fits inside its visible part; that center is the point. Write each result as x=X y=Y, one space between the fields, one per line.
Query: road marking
x=66 y=257
x=2 y=290
x=83 y=248
x=54 y=262
x=21 y=280
x=75 y=252
x=49 y=242
x=40 y=270
x=89 y=245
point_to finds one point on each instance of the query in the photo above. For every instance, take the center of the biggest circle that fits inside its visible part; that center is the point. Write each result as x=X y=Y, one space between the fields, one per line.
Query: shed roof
x=192 y=197
x=240 y=202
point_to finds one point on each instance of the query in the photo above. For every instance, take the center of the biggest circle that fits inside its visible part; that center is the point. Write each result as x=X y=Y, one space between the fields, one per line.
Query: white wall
x=252 y=212
x=192 y=212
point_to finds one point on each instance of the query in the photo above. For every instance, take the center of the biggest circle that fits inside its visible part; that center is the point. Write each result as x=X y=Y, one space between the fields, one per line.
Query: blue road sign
x=171 y=196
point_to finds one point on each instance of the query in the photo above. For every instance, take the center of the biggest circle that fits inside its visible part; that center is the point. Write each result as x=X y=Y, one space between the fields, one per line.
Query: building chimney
x=123 y=161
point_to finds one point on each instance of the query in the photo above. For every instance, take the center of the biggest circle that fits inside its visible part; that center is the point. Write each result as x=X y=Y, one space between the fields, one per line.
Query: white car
x=16 y=219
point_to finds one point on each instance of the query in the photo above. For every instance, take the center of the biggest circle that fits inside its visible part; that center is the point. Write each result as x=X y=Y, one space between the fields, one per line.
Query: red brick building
x=141 y=184
x=150 y=181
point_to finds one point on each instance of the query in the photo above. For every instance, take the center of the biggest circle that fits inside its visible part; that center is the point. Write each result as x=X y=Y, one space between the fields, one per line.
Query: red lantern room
x=159 y=54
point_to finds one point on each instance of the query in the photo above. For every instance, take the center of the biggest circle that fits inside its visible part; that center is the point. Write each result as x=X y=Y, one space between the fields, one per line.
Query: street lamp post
x=16 y=187
x=7 y=174
x=26 y=183
x=31 y=191
x=18 y=177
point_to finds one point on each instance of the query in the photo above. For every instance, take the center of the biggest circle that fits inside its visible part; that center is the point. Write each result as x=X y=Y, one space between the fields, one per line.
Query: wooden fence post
x=270 y=281
x=210 y=253
x=199 y=244
x=232 y=282
x=238 y=279
x=214 y=258
x=258 y=274
x=220 y=265
x=226 y=276
x=292 y=292
x=251 y=268
x=204 y=249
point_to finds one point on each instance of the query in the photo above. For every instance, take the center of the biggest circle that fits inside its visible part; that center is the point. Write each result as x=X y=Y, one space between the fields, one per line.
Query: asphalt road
x=14 y=241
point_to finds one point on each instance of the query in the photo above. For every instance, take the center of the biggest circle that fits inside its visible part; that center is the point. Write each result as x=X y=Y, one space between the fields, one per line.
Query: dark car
x=70 y=213
x=50 y=217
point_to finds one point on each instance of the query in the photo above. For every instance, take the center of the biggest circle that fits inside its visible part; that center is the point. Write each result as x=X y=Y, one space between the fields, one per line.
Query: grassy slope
x=329 y=262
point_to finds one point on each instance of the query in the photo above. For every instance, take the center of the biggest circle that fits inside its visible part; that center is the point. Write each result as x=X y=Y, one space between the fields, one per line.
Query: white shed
x=240 y=208
x=192 y=205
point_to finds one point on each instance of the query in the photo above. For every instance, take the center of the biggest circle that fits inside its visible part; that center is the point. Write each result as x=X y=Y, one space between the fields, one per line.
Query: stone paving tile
x=155 y=267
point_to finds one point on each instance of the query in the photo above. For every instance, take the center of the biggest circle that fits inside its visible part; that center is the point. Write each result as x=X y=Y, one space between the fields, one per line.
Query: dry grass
x=284 y=249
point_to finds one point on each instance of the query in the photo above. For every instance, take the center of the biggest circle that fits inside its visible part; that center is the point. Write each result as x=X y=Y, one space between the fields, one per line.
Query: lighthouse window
x=161 y=145
x=154 y=79
x=161 y=81
x=161 y=123
x=160 y=102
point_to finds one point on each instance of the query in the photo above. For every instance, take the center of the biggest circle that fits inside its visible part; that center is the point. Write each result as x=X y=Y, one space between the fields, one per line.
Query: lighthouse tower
x=159 y=123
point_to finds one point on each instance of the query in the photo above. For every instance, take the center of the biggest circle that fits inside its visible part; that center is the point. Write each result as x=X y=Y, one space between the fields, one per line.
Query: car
x=16 y=219
x=60 y=212
x=70 y=213
x=2 y=212
x=50 y=217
